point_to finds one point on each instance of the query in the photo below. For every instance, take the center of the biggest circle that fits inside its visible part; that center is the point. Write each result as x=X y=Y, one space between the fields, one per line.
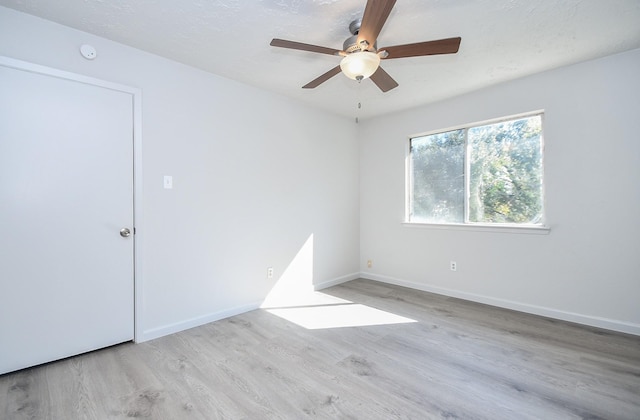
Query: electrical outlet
x=369 y=263
x=269 y=272
x=453 y=266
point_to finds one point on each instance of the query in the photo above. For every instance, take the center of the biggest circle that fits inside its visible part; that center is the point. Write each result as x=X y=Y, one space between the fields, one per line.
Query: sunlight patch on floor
x=293 y=298
x=335 y=313
x=299 y=298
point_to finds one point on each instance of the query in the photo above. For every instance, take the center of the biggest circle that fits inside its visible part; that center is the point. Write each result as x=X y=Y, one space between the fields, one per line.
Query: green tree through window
x=487 y=174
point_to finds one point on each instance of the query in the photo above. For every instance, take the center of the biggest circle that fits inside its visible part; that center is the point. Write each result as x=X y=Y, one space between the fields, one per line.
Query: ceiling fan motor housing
x=351 y=44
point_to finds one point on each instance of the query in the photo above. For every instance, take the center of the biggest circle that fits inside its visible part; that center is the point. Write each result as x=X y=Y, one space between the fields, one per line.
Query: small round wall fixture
x=88 y=52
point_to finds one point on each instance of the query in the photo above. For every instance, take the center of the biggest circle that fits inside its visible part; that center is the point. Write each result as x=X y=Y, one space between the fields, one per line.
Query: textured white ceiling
x=501 y=40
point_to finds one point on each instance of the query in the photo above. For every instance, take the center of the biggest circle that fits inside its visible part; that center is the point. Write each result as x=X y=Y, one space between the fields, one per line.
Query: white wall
x=587 y=269
x=254 y=175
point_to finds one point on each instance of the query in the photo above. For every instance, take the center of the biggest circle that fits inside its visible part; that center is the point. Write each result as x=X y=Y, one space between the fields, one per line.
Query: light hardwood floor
x=459 y=360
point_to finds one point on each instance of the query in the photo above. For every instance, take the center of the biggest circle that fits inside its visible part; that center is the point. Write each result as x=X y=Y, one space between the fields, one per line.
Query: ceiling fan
x=361 y=57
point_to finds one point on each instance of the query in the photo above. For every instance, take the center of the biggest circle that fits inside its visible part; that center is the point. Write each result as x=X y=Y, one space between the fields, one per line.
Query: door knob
x=125 y=232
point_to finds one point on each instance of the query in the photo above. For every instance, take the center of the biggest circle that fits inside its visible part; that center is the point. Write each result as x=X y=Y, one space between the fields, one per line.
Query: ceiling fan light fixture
x=360 y=65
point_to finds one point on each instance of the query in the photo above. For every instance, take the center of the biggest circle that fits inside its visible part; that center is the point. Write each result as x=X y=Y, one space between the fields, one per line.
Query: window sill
x=529 y=229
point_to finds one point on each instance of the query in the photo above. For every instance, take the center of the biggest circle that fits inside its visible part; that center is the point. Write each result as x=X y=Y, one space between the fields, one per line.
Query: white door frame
x=136 y=94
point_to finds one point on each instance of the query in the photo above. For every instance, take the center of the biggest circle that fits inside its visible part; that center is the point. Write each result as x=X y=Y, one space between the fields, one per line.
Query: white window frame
x=541 y=228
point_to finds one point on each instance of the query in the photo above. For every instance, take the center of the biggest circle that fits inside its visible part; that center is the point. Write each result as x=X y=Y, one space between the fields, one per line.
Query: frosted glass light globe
x=360 y=65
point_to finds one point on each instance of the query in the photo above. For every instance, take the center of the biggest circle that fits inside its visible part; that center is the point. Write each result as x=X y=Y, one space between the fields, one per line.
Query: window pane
x=437 y=178
x=505 y=183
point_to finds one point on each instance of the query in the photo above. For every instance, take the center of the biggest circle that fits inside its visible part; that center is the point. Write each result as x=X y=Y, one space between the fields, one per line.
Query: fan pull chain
x=359 y=101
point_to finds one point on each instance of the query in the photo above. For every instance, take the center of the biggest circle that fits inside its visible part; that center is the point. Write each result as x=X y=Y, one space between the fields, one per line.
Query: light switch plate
x=168 y=182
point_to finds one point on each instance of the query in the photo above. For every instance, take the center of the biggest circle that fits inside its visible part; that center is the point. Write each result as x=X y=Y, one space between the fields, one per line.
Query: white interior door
x=66 y=191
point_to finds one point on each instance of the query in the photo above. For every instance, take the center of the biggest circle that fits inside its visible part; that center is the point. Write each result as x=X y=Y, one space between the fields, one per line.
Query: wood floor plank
x=457 y=359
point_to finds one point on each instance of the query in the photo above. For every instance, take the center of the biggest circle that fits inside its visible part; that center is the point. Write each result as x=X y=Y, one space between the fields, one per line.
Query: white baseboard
x=593 y=321
x=336 y=281
x=195 y=322
x=205 y=319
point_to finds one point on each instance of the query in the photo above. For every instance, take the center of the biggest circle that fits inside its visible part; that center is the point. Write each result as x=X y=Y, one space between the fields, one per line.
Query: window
x=489 y=174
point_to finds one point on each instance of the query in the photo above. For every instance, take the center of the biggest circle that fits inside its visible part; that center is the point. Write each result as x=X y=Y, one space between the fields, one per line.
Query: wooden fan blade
x=283 y=43
x=375 y=15
x=382 y=79
x=441 y=46
x=321 y=79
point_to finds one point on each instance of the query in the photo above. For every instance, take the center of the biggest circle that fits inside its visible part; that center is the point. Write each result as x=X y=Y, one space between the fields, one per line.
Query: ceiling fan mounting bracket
x=354 y=26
